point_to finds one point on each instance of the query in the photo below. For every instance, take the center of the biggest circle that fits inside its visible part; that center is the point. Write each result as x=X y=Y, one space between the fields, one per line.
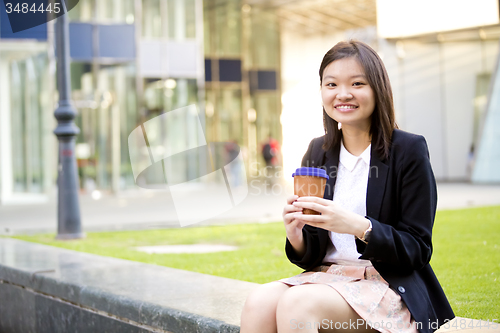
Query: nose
x=344 y=94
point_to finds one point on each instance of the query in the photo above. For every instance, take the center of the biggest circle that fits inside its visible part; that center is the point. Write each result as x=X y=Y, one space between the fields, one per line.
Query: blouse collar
x=349 y=160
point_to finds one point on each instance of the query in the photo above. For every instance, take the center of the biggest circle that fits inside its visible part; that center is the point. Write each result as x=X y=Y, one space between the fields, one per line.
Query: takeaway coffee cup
x=309 y=182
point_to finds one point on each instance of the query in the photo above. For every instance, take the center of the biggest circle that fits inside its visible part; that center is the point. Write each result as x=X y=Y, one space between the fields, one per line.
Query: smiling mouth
x=346 y=108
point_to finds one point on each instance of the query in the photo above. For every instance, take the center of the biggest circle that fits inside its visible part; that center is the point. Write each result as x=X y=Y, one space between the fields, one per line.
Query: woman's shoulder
x=316 y=143
x=400 y=137
x=319 y=139
x=405 y=140
x=411 y=145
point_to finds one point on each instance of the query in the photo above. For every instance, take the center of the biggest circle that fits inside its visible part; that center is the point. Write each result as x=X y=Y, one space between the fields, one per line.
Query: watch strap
x=367 y=233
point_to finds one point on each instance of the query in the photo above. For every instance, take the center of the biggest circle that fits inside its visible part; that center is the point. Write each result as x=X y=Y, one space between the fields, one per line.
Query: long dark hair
x=383 y=121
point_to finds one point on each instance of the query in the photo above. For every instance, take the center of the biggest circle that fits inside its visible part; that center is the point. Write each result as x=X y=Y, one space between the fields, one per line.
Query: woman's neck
x=355 y=140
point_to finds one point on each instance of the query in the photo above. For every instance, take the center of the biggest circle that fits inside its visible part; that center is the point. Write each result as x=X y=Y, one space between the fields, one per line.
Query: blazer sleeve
x=312 y=257
x=406 y=244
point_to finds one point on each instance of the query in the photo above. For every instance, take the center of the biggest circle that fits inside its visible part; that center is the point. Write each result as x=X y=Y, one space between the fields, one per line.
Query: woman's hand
x=293 y=226
x=333 y=217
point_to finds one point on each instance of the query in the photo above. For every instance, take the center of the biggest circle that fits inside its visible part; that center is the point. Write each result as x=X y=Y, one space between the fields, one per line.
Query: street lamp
x=68 y=207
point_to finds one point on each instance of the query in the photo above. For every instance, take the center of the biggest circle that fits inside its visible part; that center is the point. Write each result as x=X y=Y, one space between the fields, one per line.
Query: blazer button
x=401 y=289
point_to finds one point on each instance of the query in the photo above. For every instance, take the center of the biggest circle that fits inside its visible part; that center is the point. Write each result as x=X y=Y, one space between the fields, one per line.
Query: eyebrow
x=352 y=77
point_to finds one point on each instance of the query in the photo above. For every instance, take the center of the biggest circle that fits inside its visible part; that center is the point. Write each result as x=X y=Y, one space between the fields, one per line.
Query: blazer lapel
x=377 y=178
x=331 y=167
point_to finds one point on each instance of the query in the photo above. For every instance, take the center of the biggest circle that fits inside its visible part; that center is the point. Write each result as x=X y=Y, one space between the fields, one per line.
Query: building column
x=180 y=20
x=200 y=76
x=248 y=110
x=487 y=160
x=6 y=178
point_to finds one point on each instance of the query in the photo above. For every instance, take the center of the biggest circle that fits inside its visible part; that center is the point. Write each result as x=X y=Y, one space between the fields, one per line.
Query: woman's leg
x=259 y=312
x=316 y=308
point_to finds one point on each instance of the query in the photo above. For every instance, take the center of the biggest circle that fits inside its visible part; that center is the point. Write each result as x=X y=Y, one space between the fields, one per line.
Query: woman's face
x=347 y=96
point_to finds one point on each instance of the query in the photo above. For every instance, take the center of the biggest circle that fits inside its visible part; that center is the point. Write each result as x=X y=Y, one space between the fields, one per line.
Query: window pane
x=151 y=19
x=28 y=80
x=172 y=19
x=82 y=11
x=229 y=108
x=181 y=19
x=190 y=19
x=34 y=129
x=17 y=78
x=228 y=28
x=264 y=43
x=118 y=11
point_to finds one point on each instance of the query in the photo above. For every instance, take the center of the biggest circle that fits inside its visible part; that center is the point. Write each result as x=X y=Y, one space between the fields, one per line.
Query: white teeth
x=347 y=107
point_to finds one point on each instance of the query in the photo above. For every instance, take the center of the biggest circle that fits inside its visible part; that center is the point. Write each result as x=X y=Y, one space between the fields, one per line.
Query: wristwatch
x=366 y=235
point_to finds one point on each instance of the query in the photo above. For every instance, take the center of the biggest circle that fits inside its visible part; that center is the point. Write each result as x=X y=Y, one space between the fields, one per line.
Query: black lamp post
x=68 y=207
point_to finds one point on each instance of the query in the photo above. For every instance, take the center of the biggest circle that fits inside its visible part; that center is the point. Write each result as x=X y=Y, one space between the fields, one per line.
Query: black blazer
x=401 y=203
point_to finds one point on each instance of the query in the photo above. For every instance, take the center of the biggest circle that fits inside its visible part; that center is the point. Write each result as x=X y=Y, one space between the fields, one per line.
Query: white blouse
x=350 y=194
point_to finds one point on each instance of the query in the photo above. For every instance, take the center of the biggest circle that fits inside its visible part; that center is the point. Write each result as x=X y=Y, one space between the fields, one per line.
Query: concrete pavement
x=144 y=209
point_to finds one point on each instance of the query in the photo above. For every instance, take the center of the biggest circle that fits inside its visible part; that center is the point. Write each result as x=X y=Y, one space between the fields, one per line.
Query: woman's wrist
x=297 y=244
x=360 y=226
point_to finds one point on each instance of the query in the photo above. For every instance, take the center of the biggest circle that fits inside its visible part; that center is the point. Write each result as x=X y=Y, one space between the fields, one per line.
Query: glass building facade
x=131 y=61
x=27 y=105
x=134 y=60
x=26 y=101
x=242 y=71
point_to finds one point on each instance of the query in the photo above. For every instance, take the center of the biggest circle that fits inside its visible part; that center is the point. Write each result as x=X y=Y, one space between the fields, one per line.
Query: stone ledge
x=106 y=289
x=47 y=289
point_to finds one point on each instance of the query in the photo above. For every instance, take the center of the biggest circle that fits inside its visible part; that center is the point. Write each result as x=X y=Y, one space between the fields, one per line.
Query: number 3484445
x=26 y=8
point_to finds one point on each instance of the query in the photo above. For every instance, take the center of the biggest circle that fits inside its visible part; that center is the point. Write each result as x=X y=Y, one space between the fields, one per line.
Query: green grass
x=466 y=260
x=260 y=258
x=466 y=254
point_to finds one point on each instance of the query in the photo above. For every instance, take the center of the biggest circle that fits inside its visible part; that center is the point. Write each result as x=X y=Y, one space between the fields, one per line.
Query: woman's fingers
x=311 y=205
x=318 y=200
x=297 y=223
x=289 y=217
x=294 y=228
x=289 y=208
x=292 y=209
x=306 y=218
x=291 y=199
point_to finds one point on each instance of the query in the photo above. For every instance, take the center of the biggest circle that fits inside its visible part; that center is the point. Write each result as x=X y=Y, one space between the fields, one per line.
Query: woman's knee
x=295 y=300
x=264 y=296
x=259 y=311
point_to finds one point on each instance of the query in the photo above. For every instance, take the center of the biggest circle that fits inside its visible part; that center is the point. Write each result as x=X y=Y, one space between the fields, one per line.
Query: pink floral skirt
x=359 y=283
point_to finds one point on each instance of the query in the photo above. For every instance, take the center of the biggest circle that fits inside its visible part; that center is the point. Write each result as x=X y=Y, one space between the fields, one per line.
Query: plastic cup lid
x=306 y=171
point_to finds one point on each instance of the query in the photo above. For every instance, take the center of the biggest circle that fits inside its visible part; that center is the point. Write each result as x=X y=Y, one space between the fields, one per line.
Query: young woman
x=366 y=257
